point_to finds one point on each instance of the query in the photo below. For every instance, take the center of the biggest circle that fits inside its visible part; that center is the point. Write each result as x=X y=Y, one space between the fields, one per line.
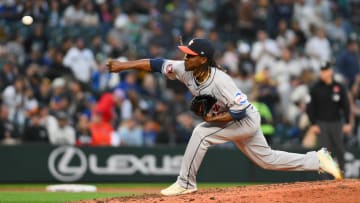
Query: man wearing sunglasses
x=231 y=118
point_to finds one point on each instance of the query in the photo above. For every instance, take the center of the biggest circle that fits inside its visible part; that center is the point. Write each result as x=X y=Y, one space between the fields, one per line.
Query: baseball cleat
x=176 y=189
x=327 y=164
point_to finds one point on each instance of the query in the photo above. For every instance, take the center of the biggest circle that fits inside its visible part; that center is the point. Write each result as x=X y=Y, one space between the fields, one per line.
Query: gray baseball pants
x=248 y=137
x=331 y=137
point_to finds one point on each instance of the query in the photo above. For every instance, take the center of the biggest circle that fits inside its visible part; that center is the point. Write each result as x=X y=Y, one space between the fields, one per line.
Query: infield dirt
x=347 y=191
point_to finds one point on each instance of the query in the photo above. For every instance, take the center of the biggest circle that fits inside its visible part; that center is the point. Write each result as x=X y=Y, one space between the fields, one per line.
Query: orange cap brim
x=186 y=50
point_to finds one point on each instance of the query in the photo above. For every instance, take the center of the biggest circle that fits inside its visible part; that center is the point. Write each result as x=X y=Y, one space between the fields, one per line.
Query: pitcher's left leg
x=201 y=139
x=257 y=149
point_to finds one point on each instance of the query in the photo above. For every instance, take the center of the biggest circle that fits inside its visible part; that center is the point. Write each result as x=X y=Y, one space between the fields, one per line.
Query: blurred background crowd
x=55 y=88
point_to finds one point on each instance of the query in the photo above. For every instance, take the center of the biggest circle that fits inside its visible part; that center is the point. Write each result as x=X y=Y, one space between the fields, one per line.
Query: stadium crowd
x=55 y=87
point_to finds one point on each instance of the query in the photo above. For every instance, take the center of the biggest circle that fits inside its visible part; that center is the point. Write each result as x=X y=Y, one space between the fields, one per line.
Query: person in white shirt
x=74 y=14
x=281 y=73
x=318 y=49
x=264 y=51
x=63 y=134
x=305 y=14
x=286 y=37
x=81 y=61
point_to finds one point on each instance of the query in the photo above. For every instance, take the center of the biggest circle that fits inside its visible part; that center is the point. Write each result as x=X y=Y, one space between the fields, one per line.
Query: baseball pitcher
x=228 y=116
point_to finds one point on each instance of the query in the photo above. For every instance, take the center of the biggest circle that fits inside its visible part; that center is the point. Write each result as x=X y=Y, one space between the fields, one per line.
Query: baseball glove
x=202 y=104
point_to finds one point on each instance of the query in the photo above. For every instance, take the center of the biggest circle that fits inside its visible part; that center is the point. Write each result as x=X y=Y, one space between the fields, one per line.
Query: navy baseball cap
x=198 y=47
x=325 y=65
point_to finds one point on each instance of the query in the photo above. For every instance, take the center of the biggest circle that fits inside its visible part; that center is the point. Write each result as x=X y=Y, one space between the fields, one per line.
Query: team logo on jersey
x=336 y=97
x=240 y=98
x=169 y=68
x=336 y=89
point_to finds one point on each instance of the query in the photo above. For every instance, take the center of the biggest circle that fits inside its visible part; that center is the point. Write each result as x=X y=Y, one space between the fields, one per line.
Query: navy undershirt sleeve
x=156 y=64
x=238 y=115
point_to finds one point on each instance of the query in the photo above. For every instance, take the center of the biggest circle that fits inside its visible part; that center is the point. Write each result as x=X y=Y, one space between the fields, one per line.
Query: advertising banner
x=45 y=163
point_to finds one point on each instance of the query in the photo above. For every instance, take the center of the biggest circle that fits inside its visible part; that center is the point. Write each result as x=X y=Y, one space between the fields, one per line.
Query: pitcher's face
x=192 y=62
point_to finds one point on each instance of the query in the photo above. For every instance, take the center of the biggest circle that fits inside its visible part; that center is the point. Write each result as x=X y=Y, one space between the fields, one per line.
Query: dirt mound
x=305 y=192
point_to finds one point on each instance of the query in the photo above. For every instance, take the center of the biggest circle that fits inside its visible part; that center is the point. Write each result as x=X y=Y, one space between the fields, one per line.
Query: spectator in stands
x=267 y=91
x=118 y=31
x=285 y=36
x=151 y=131
x=64 y=134
x=74 y=13
x=130 y=133
x=215 y=38
x=36 y=61
x=299 y=94
x=8 y=74
x=123 y=106
x=37 y=9
x=132 y=28
x=79 y=97
x=14 y=47
x=57 y=68
x=246 y=22
x=336 y=32
x=185 y=124
x=8 y=131
x=281 y=73
x=101 y=79
x=47 y=120
x=318 y=48
x=101 y=130
x=129 y=82
x=60 y=99
x=246 y=68
x=347 y=61
x=279 y=10
x=44 y=93
x=66 y=44
x=9 y=11
x=31 y=104
x=151 y=88
x=81 y=61
x=91 y=17
x=264 y=51
x=226 y=17
x=100 y=48
x=37 y=40
x=54 y=14
x=304 y=13
x=13 y=97
x=322 y=10
x=35 y=131
x=230 y=58
x=267 y=122
x=114 y=106
x=300 y=37
x=83 y=134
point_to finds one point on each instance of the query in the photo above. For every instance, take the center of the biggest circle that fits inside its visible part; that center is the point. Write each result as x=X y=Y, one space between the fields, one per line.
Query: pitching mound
x=305 y=192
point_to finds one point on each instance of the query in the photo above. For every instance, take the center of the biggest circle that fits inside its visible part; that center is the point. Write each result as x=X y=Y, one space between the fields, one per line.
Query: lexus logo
x=60 y=166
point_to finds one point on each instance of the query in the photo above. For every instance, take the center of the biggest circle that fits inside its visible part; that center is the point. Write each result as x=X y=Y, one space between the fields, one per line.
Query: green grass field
x=35 y=193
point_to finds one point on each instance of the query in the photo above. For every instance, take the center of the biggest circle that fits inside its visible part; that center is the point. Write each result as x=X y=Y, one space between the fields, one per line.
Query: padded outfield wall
x=45 y=163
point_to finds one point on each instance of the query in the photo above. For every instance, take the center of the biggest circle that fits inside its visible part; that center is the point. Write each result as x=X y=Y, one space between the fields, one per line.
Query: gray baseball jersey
x=245 y=133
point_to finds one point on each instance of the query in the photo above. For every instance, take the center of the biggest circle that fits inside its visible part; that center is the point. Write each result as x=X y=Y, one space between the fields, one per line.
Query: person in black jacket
x=329 y=112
